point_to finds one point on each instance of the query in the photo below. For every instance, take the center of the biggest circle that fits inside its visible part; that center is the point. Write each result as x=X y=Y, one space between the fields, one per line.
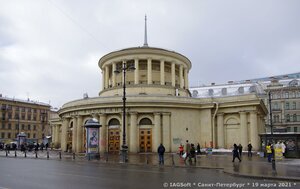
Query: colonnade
x=246 y=134
x=108 y=70
x=161 y=129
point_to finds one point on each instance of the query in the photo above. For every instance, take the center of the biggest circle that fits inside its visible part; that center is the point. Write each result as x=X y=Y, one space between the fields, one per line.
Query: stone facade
x=159 y=108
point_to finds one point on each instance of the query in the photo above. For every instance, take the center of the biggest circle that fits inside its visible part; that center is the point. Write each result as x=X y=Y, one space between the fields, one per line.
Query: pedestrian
x=47 y=145
x=187 y=150
x=240 y=148
x=249 y=150
x=161 y=150
x=283 y=147
x=235 y=153
x=198 y=148
x=42 y=146
x=269 y=152
x=192 y=153
x=181 y=150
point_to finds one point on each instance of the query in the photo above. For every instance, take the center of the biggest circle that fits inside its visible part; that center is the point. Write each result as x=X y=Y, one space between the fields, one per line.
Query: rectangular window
x=34 y=135
x=17 y=127
x=294 y=105
x=29 y=117
x=288 y=118
x=23 y=109
x=286 y=94
x=2 y=135
x=3 y=125
x=287 y=105
x=3 y=116
x=23 y=127
x=8 y=135
x=28 y=135
x=295 y=129
x=29 y=127
x=9 y=126
x=34 y=128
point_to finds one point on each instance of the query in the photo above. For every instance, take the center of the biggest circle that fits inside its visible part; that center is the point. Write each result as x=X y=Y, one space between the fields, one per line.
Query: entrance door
x=145 y=140
x=114 y=140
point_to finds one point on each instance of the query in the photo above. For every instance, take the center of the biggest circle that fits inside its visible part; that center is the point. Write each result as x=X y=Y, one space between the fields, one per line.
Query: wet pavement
x=256 y=166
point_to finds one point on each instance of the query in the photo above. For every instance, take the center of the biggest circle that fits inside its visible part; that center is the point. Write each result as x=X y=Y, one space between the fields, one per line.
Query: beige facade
x=159 y=108
x=18 y=116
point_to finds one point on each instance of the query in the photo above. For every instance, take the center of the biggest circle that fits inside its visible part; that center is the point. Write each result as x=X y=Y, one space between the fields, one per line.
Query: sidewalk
x=256 y=167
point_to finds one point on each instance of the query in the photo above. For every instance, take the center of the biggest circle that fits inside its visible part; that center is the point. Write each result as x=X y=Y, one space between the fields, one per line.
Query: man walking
x=187 y=150
x=249 y=150
x=161 y=150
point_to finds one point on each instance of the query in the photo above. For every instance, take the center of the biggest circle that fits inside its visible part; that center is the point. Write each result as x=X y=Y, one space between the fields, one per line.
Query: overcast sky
x=49 y=49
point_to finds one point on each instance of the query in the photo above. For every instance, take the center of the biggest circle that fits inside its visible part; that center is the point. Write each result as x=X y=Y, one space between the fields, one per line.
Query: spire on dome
x=145 y=36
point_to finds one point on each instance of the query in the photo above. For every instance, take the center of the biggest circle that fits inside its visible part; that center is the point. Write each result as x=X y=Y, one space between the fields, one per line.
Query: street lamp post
x=272 y=137
x=124 y=68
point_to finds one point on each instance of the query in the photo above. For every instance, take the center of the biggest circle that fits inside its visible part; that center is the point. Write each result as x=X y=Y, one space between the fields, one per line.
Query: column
x=53 y=133
x=186 y=81
x=114 y=74
x=133 y=133
x=106 y=76
x=149 y=69
x=254 y=131
x=156 y=132
x=220 y=126
x=74 y=134
x=173 y=73
x=136 y=71
x=103 y=79
x=57 y=136
x=103 y=140
x=79 y=134
x=181 y=76
x=162 y=72
x=166 y=131
x=243 y=129
x=64 y=134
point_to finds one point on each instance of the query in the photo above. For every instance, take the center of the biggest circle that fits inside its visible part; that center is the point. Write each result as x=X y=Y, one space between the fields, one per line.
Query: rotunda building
x=159 y=108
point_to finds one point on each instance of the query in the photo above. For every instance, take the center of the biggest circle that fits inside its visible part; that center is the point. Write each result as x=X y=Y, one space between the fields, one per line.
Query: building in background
x=26 y=116
x=285 y=105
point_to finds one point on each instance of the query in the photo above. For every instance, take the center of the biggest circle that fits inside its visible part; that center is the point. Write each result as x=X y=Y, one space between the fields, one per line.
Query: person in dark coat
x=161 y=150
x=240 y=148
x=235 y=153
x=198 y=149
x=249 y=150
x=192 y=153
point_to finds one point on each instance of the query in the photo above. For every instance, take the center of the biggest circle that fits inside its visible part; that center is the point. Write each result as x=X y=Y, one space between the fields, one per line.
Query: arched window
x=113 y=121
x=145 y=121
x=241 y=90
x=224 y=91
x=252 y=89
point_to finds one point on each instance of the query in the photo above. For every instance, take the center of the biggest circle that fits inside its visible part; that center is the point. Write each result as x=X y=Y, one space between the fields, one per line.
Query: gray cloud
x=49 y=50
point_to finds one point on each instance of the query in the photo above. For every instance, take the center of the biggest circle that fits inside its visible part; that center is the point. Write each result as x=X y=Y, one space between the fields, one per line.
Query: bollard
x=36 y=156
x=25 y=154
x=106 y=156
x=73 y=156
x=147 y=160
x=15 y=153
x=47 y=154
x=59 y=155
x=273 y=165
x=6 y=153
x=173 y=162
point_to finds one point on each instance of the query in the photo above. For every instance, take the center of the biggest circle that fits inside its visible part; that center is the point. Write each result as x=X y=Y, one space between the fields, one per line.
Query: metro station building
x=160 y=107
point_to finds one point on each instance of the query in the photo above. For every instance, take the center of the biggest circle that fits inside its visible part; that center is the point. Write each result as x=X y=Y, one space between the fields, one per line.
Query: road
x=48 y=174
